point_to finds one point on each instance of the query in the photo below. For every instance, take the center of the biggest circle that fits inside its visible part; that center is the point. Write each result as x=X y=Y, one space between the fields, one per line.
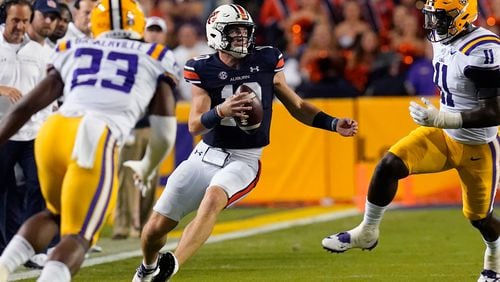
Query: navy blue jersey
x=256 y=70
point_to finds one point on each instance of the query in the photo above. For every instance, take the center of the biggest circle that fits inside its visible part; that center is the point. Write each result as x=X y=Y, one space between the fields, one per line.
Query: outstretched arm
x=44 y=93
x=309 y=114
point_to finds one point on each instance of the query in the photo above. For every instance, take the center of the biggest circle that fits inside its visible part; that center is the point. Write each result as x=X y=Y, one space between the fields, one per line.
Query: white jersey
x=480 y=48
x=112 y=79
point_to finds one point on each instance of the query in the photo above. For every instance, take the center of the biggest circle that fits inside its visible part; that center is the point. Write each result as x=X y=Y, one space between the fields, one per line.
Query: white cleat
x=145 y=275
x=4 y=273
x=167 y=267
x=488 y=276
x=365 y=238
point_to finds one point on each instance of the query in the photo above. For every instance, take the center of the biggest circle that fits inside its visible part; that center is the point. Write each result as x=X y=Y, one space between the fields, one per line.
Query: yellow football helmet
x=117 y=19
x=446 y=18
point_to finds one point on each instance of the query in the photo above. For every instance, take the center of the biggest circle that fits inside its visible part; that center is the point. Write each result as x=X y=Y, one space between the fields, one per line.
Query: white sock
x=150 y=266
x=17 y=252
x=492 y=255
x=55 y=271
x=373 y=214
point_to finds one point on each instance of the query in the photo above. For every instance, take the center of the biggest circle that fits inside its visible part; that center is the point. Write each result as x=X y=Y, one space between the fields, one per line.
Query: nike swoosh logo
x=452 y=52
x=474 y=159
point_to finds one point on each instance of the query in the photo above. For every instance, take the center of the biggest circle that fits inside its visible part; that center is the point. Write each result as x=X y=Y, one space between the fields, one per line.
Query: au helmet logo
x=212 y=17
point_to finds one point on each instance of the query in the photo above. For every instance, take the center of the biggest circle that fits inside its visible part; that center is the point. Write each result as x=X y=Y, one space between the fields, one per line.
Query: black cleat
x=168 y=267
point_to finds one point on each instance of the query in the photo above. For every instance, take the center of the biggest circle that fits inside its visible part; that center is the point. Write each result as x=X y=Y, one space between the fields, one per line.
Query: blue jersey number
x=441 y=71
x=96 y=58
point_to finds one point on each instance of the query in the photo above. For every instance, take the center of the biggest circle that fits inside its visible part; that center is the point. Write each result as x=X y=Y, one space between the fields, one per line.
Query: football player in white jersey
x=461 y=135
x=108 y=82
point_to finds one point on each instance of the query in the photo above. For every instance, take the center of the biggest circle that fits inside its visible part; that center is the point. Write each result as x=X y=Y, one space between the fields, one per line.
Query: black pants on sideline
x=17 y=202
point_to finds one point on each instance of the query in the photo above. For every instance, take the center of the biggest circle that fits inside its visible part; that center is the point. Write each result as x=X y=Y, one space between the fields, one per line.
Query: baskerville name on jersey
x=125 y=72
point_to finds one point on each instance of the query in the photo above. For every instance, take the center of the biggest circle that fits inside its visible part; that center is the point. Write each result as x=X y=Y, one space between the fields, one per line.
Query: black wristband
x=324 y=121
x=210 y=119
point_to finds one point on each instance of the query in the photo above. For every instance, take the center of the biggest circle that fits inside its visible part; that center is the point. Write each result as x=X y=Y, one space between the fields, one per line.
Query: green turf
x=415 y=245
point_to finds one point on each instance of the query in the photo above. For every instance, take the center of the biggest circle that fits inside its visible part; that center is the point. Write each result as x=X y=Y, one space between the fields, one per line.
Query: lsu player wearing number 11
x=461 y=135
x=108 y=83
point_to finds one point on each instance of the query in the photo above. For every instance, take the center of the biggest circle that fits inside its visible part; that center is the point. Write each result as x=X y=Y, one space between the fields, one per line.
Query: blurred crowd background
x=333 y=48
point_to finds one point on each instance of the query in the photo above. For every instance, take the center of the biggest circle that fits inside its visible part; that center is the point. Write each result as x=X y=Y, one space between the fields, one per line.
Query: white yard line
x=215 y=238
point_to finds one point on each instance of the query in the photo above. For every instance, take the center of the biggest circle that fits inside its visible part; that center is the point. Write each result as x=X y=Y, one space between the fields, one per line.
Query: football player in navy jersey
x=461 y=135
x=224 y=167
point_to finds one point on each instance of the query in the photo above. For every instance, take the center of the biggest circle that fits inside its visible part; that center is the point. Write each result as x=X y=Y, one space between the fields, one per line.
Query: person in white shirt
x=76 y=148
x=23 y=66
x=190 y=45
x=80 y=27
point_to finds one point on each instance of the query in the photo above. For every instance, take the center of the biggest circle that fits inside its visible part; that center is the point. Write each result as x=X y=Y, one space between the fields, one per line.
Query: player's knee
x=488 y=226
x=215 y=199
x=157 y=226
x=47 y=217
x=392 y=165
x=482 y=224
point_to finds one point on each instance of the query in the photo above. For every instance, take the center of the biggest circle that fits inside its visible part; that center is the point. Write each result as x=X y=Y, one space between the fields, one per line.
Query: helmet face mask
x=239 y=39
x=127 y=22
x=230 y=29
x=444 y=19
x=439 y=25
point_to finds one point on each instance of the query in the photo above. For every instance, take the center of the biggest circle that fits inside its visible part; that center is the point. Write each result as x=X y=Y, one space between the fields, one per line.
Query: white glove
x=141 y=180
x=161 y=142
x=431 y=116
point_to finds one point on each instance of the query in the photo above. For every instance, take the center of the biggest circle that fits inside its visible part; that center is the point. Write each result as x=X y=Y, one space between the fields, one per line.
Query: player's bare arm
x=163 y=101
x=306 y=112
x=200 y=105
x=47 y=91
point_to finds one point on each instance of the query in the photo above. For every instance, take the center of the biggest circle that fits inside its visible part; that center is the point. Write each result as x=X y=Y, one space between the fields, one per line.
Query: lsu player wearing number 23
x=461 y=135
x=108 y=83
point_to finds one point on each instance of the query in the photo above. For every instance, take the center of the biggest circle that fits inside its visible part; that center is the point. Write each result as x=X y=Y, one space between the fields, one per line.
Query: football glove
x=141 y=180
x=429 y=115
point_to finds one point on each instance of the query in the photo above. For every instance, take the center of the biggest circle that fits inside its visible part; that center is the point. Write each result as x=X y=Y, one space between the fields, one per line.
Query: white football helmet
x=219 y=23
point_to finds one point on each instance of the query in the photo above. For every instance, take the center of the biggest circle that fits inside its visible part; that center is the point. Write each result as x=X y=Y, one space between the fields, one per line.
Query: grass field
x=415 y=245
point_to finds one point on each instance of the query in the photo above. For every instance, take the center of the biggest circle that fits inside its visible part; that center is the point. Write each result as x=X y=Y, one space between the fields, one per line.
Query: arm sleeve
x=161 y=142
